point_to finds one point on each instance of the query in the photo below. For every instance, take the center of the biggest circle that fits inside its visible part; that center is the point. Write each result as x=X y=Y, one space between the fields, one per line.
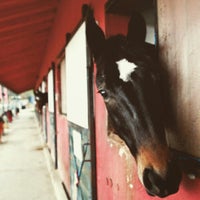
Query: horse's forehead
x=125 y=68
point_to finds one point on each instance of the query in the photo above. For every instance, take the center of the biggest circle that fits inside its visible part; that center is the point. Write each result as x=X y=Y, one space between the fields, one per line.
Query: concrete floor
x=23 y=168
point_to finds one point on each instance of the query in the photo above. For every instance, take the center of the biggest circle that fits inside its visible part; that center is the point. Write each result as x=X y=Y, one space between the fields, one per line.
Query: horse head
x=128 y=80
x=41 y=99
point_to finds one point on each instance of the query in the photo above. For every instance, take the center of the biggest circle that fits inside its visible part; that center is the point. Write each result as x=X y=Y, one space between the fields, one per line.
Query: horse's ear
x=136 y=29
x=95 y=36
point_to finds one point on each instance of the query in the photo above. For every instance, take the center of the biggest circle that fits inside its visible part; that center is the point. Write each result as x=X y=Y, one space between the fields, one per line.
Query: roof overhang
x=25 y=27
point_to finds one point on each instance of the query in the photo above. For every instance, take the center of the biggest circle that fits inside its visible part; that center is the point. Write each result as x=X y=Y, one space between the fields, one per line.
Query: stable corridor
x=24 y=173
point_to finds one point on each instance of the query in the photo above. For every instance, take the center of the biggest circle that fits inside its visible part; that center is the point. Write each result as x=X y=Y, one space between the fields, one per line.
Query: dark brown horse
x=41 y=99
x=128 y=79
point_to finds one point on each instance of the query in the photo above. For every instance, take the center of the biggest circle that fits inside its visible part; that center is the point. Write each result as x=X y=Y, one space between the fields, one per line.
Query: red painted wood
x=62 y=136
x=24 y=31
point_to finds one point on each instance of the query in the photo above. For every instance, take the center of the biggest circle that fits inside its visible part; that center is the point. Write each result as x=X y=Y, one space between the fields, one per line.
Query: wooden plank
x=179 y=30
x=126 y=7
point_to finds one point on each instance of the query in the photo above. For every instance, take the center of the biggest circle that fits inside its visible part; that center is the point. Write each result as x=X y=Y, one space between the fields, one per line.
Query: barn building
x=44 y=48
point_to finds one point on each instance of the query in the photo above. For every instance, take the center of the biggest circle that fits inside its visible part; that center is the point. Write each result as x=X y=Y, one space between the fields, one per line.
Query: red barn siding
x=65 y=22
x=62 y=136
x=63 y=150
x=48 y=129
x=68 y=17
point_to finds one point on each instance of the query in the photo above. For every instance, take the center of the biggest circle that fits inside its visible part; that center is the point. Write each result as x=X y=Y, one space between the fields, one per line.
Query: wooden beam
x=34 y=28
x=26 y=24
x=18 y=67
x=23 y=45
x=13 y=7
x=19 y=57
x=40 y=11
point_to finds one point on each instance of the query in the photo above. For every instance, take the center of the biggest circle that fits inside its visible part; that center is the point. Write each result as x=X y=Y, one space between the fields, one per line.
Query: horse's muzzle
x=162 y=186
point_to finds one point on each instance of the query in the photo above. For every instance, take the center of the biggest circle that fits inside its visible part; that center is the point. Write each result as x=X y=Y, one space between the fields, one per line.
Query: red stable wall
x=117 y=174
x=116 y=171
x=62 y=136
x=68 y=17
x=65 y=22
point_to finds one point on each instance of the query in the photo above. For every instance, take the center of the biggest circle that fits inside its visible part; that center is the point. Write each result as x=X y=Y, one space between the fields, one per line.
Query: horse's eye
x=103 y=93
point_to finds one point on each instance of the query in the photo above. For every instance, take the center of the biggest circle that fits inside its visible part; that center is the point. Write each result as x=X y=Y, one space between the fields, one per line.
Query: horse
x=1 y=127
x=41 y=99
x=128 y=78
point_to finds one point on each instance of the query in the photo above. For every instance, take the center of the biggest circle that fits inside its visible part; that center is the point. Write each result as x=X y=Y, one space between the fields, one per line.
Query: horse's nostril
x=157 y=185
x=154 y=183
x=147 y=180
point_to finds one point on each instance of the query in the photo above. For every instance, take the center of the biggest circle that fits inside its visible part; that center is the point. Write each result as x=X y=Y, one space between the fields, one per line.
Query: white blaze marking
x=125 y=69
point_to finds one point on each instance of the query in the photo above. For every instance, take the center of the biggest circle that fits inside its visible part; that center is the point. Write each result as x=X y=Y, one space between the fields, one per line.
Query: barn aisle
x=23 y=168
